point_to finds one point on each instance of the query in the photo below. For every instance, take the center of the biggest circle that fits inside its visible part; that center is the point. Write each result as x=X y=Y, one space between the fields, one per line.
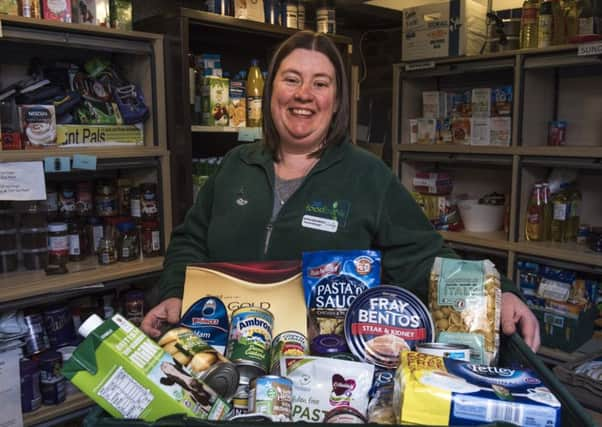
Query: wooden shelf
x=563 y=151
x=101 y=153
x=455 y=149
x=493 y=240
x=73 y=403
x=569 y=252
x=216 y=129
x=24 y=284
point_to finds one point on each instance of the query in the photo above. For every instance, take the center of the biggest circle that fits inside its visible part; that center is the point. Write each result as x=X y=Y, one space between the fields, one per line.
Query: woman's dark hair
x=318 y=42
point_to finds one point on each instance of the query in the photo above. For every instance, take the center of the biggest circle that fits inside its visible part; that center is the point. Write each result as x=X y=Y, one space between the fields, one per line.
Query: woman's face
x=303 y=100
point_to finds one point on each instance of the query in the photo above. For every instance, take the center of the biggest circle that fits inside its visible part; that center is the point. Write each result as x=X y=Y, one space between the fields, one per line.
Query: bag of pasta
x=465 y=302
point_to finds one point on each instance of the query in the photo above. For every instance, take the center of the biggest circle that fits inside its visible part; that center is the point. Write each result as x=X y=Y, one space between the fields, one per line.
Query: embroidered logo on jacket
x=337 y=210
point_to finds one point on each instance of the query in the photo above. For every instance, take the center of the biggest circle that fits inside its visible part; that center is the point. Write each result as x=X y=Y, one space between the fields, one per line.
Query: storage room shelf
x=493 y=240
x=563 y=151
x=217 y=129
x=102 y=153
x=453 y=149
x=569 y=252
x=24 y=284
x=72 y=404
x=32 y=23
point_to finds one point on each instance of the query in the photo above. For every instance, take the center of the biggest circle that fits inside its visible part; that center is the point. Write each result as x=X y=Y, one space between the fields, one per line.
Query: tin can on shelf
x=249 y=341
x=52 y=382
x=271 y=395
x=59 y=325
x=583 y=234
x=36 y=340
x=31 y=398
x=557 y=133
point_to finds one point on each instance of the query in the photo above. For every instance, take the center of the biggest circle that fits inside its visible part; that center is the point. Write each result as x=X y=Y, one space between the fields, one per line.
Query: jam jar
x=128 y=247
x=151 y=238
x=58 y=244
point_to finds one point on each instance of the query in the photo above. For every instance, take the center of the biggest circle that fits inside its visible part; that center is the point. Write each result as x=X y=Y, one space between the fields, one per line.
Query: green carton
x=131 y=377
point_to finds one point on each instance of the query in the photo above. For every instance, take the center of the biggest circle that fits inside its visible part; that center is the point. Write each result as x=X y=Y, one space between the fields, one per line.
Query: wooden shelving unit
x=549 y=84
x=139 y=57
x=72 y=404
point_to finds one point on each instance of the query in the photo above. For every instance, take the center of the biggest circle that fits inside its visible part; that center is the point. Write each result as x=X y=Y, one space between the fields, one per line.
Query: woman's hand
x=168 y=311
x=515 y=312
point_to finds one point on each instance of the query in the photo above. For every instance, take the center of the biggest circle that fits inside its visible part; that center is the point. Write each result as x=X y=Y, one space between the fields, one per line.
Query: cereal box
x=427 y=131
x=215 y=96
x=57 y=10
x=481 y=102
x=9 y=7
x=479 y=131
x=500 y=131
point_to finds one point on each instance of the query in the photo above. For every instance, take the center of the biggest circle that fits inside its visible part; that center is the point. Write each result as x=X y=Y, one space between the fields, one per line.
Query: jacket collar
x=258 y=154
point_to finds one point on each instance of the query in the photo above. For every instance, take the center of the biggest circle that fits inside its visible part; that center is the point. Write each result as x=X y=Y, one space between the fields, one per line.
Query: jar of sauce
x=58 y=244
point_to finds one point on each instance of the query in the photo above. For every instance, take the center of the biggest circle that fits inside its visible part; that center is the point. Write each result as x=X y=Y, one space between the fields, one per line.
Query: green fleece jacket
x=349 y=200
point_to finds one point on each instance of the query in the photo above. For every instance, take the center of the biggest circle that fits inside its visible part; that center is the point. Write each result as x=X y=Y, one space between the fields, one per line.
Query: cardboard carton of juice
x=130 y=376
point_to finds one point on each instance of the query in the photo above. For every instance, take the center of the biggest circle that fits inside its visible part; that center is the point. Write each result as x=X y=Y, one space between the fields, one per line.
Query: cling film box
x=99 y=135
x=130 y=376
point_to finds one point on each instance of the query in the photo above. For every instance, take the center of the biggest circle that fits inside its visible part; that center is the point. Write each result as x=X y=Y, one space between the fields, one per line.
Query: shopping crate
x=513 y=353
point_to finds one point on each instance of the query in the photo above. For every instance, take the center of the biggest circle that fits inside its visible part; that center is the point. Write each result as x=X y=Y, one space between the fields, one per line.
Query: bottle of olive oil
x=528 y=24
x=560 y=203
x=254 y=95
x=535 y=215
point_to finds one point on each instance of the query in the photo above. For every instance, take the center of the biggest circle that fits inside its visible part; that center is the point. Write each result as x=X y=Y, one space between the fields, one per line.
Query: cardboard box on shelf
x=57 y=10
x=94 y=12
x=500 y=131
x=437 y=30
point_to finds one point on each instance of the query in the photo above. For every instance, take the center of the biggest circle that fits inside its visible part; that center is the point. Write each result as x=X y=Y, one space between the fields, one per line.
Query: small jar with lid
x=105 y=199
x=148 y=201
x=128 y=247
x=107 y=253
x=58 y=244
x=74 y=232
x=67 y=201
x=151 y=238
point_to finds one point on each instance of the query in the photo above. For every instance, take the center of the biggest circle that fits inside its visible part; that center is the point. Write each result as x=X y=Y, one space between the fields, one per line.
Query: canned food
x=557 y=133
x=344 y=415
x=59 y=326
x=52 y=382
x=583 y=234
x=384 y=321
x=36 y=340
x=271 y=395
x=31 y=399
x=327 y=345
x=249 y=341
x=453 y=351
x=288 y=343
x=223 y=378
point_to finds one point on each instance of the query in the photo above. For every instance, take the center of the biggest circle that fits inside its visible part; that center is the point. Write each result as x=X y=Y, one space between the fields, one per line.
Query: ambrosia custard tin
x=385 y=320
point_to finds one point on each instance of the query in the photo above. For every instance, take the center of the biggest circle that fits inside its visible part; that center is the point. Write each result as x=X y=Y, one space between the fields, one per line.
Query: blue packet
x=332 y=280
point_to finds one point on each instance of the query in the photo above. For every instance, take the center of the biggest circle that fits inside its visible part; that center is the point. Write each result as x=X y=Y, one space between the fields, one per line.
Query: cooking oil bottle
x=528 y=24
x=571 y=16
x=558 y=24
x=545 y=24
x=573 y=217
x=535 y=215
x=560 y=203
x=547 y=211
x=254 y=95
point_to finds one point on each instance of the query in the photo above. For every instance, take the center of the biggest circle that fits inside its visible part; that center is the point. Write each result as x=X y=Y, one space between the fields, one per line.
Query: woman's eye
x=291 y=80
x=321 y=84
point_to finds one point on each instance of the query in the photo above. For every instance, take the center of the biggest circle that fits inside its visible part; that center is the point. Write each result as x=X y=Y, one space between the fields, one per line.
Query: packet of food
x=465 y=302
x=332 y=280
x=321 y=384
x=462 y=393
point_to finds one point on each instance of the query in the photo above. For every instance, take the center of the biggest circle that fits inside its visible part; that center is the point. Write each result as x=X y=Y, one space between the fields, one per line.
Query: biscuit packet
x=332 y=280
x=465 y=302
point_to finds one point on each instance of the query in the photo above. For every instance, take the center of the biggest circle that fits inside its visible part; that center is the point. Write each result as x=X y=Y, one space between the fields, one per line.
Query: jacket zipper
x=268 y=235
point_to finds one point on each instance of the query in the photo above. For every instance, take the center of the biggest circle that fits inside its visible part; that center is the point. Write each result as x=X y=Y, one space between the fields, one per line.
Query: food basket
x=513 y=353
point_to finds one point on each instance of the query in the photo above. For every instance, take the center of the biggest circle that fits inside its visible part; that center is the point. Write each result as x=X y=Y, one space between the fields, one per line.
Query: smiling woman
x=305 y=188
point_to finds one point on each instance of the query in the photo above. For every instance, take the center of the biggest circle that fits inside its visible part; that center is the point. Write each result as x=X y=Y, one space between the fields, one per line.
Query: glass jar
x=34 y=214
x=107 y=254
x=58 y=244
x=95 y=233
x=148 y=201
x=75 y=241
x=67 y=201
x=128 y=246
x=151 y=238
x=106 y=199
x=135 y=209
x=84 y=198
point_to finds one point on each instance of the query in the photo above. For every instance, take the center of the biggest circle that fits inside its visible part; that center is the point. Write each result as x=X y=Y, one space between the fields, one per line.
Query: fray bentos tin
x=384 y=321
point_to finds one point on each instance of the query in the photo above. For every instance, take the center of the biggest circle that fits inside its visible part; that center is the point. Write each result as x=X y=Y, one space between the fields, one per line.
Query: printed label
x=125 y=394
x=322 y=224
x=454 y=288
